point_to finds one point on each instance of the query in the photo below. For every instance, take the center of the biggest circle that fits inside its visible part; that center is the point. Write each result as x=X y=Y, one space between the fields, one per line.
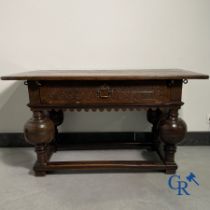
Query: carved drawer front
x=99 y=93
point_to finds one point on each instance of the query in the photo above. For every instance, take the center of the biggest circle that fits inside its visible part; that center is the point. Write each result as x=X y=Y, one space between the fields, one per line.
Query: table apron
x=104 y=93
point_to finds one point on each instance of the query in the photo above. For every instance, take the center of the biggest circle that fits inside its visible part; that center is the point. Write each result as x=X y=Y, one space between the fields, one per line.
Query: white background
x=104 y=34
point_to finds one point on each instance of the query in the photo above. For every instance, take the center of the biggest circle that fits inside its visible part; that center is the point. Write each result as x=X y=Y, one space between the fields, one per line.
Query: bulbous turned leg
x=154 y=116
x=57 y=118
x=171 y=131
x=39 y=131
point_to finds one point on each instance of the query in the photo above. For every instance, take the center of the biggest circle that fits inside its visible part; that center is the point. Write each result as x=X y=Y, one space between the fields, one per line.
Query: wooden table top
x=146 y=74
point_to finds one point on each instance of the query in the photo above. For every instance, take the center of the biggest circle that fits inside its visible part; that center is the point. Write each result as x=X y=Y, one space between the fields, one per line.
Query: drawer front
x=107 y=93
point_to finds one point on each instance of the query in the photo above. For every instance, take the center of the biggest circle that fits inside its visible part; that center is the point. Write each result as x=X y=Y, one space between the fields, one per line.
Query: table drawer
x=107 y=93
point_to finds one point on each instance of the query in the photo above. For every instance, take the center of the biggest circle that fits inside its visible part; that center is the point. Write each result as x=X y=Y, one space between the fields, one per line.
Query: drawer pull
x=104 y=92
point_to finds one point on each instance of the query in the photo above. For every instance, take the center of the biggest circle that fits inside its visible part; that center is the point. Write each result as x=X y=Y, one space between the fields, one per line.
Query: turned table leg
x=40 y=131
x=57 y=118
x=154 y=116
x=171 y=131
x=42 y=157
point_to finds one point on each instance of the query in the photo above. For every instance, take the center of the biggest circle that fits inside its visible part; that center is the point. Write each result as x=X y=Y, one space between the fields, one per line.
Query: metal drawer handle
x=104 y=92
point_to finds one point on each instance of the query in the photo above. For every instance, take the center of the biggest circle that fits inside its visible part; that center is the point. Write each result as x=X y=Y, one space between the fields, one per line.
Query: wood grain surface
x=144 y=74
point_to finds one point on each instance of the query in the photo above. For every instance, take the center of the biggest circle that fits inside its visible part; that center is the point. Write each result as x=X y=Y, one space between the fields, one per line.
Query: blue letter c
x=170 y=180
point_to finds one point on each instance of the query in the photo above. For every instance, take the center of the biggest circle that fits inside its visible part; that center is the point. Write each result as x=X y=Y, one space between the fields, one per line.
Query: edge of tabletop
x=101 y=78
x=21 y=76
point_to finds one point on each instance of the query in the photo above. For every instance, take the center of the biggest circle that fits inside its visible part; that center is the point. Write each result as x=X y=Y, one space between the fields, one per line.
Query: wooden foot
x=170 y=150
x=170 y=171
x=39 y=173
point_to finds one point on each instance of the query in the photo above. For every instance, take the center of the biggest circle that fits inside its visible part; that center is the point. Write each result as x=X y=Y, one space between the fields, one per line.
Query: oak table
x=157 y=91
